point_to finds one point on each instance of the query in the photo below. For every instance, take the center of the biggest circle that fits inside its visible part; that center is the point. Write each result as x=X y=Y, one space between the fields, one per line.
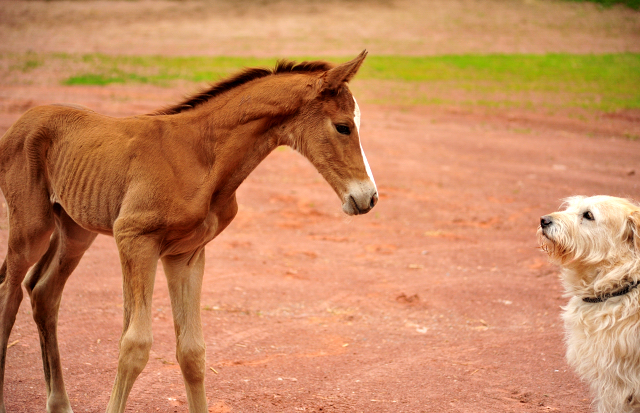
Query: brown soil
x=306 y=27
x=436 y=301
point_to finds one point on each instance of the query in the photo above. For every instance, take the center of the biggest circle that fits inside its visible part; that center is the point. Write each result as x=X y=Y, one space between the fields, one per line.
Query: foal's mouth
x=359 y=211
x=354 y=204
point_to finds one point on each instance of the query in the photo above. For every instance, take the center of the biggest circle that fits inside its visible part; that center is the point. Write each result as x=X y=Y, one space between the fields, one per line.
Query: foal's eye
x=588 y=215
x=343 y=129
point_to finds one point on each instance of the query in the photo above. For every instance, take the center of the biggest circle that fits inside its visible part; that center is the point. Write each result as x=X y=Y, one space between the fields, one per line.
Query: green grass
x=159 y=70
x=634 y=4
x=607 y=82
x=604 y=82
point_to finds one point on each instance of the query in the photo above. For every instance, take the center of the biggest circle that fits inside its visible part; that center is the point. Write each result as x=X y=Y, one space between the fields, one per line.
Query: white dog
x=596 y=241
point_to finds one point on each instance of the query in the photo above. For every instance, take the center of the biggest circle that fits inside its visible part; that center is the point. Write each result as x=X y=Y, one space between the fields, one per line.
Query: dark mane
x=246 y=76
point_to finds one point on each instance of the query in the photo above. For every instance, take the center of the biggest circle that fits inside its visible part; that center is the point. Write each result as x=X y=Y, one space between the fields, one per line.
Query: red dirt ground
x=436 y=301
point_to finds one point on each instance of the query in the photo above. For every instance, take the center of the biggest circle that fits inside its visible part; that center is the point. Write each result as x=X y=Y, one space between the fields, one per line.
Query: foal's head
x=327 y=131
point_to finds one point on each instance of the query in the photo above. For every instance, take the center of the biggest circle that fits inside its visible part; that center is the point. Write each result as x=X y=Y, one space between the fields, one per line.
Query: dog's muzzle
x=546 y=223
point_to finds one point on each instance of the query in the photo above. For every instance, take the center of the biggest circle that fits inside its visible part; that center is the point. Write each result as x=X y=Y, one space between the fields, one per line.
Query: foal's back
x=88 y=162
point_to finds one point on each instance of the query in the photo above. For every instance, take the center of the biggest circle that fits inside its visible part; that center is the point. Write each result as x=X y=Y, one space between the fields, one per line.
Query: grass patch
x=28 y=62
x=634 y=4
x=604 y=82
x=607 y=82
x=159 y=70
x=105 y=79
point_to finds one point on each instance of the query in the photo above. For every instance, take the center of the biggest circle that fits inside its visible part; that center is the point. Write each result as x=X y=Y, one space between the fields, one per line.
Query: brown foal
x=163 y=185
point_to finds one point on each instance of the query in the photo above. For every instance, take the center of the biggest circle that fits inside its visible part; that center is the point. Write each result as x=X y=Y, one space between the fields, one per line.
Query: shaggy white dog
x=596 y=241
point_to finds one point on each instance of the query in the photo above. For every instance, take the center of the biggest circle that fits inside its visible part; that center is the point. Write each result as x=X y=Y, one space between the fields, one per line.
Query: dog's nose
x=545 y=221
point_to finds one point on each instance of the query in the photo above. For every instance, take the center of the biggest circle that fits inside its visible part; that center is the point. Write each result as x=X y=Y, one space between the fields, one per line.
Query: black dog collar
x=618 y=293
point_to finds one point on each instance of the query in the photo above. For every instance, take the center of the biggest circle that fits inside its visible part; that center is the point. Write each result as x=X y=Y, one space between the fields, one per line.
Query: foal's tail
x=23 y=171
x=23 y=148
x=18 y=143
x=27 y=141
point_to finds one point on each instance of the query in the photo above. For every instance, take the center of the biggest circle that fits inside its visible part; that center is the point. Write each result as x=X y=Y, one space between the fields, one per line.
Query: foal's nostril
x=374 y=200
x=545 y=221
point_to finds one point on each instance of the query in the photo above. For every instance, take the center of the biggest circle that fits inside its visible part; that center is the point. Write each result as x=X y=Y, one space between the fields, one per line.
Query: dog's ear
x=634 y=230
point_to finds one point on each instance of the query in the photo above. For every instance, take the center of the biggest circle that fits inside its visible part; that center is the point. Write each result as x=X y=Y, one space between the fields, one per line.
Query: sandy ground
x=436 y=301
x=304 y=27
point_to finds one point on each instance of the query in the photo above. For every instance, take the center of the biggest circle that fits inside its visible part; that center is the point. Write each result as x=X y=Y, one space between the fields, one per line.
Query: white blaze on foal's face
x=356 y=120
x=361 y=192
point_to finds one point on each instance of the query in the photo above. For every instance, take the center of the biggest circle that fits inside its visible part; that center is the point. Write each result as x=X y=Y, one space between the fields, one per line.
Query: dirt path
x=436 y=301
x=304 y=27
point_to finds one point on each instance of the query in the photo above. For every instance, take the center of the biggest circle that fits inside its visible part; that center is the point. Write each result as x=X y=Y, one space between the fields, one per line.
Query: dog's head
x=591 y=232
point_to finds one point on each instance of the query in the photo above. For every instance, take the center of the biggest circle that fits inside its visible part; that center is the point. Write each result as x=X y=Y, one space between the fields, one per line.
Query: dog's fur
x=596 y=241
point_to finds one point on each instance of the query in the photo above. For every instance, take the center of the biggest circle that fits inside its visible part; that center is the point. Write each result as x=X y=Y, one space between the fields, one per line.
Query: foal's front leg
x=139 y=259
x=184 y=277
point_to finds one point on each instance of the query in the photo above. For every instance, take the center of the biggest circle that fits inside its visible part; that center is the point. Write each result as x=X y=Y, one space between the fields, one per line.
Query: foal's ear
x=333 y=79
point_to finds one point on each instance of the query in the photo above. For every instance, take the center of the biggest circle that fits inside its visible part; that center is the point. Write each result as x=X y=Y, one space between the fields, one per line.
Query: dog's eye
x=343 y=129
x=588 y=215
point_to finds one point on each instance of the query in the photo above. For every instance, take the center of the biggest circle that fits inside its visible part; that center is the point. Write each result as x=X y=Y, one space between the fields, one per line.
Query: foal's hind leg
x=30 y=229
x=45 y=283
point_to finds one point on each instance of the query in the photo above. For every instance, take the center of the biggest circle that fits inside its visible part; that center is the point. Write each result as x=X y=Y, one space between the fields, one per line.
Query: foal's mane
x=246 y=76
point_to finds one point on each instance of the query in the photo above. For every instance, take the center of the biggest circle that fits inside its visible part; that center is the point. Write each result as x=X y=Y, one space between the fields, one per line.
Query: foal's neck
x=245 y=124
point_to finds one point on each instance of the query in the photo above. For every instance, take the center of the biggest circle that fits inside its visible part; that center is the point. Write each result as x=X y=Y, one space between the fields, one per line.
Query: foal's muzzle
x=360 y=199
